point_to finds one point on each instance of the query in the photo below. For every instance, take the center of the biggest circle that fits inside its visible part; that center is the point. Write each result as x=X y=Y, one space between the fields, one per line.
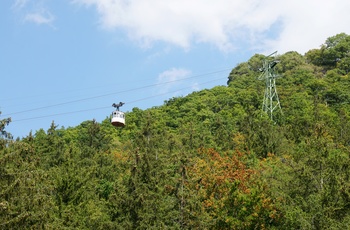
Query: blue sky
x=68 y=61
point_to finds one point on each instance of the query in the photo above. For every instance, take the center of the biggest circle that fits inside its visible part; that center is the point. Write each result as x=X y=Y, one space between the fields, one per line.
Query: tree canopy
x=209 y=160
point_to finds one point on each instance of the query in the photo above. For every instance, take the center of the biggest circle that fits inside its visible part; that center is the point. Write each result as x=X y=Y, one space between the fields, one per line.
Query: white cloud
x=170 y=80
x=19 y=4
x=40 y=17
x=302 y=24
x=307 y=24
x=34 y=11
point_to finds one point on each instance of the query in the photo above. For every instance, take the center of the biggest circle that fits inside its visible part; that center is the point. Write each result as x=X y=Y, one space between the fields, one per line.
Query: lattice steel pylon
x=271 y=101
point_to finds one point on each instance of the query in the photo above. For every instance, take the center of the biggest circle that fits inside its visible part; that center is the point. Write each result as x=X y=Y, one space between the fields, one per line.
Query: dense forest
x=209 y=160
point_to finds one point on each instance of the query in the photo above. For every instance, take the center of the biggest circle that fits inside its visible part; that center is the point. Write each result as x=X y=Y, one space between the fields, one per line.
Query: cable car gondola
x=118 y=117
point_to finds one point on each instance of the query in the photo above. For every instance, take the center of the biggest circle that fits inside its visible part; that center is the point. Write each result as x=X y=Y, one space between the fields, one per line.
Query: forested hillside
x=210 y=160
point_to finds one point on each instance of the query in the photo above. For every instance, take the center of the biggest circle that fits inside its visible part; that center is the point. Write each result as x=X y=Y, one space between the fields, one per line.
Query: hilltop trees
x=210 y=160
x=334 y=53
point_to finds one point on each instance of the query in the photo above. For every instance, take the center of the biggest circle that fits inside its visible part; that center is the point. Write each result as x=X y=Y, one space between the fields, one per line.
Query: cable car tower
x=118 y=117
x=271 y=101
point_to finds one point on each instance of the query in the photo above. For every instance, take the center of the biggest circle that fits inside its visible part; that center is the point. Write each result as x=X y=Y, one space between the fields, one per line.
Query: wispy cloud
x=42 y=17
x=225 y=23
x=170 y=80
x=19 y=4
x=34 y=11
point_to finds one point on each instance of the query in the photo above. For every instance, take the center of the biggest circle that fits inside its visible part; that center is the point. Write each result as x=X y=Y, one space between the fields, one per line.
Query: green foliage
x=4 y=136
x=334 y=53
x=210 y=160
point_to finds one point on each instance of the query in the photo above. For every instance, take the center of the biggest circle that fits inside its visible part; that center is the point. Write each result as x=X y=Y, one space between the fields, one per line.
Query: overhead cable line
x=103 y=86
x=109 y=94
x=105 y=107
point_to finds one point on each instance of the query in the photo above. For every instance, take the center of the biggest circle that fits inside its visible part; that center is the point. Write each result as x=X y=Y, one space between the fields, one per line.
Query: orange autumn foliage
x=229 y=190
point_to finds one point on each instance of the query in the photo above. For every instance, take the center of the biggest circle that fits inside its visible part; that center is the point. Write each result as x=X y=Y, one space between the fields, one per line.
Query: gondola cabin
x=118 y=119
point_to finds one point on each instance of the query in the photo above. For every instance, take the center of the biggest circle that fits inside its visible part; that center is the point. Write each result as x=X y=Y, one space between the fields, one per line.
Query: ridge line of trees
x=210 y=160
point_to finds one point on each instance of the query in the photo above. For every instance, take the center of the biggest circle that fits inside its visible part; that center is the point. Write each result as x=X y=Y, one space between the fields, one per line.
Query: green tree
x=333 y=52
x=25 y=197
x=4 y=136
